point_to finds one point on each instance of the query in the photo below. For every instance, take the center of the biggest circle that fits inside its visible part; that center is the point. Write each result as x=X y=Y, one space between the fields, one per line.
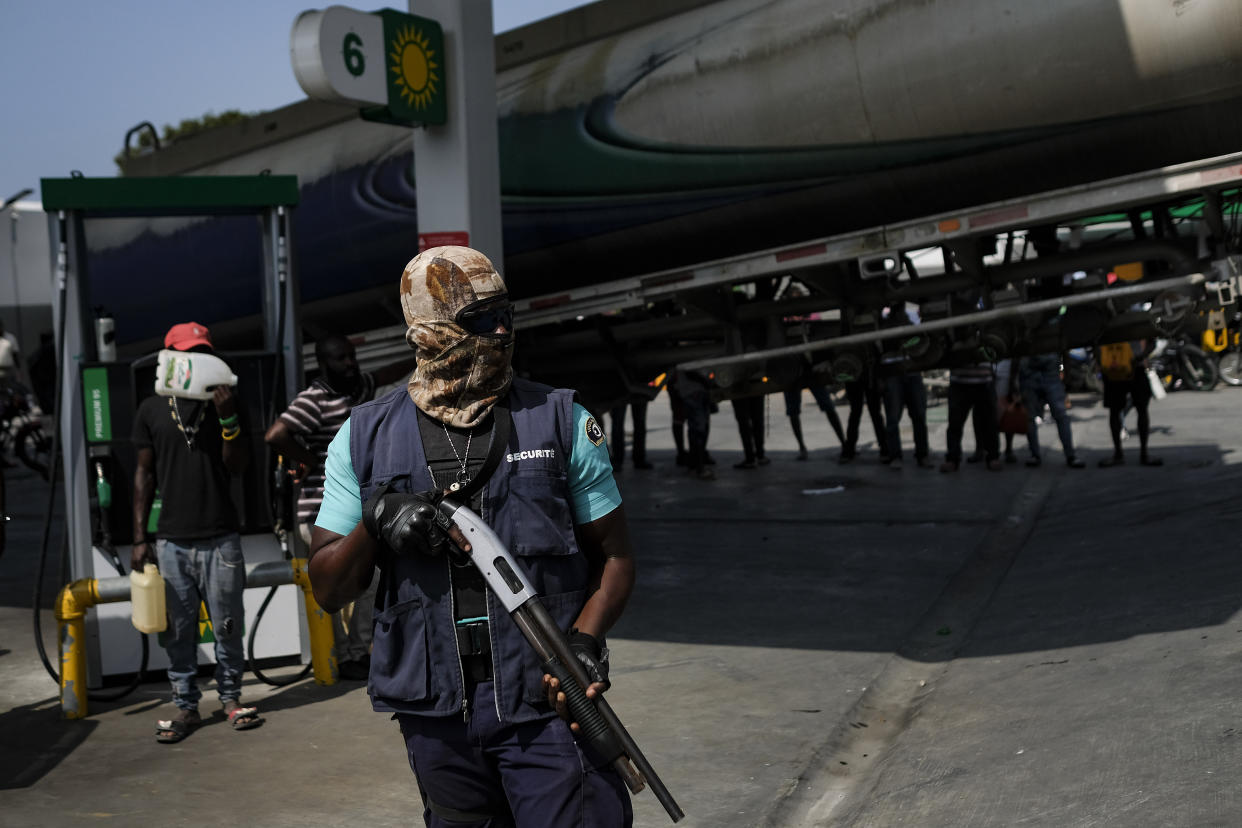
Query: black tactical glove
x=592 y=654
x=406 y=523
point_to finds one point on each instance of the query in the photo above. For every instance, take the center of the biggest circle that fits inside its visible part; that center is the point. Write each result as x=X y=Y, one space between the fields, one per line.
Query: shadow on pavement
x=749 y=563
x=1156 y=555
x=19 y=560
x=34 y=739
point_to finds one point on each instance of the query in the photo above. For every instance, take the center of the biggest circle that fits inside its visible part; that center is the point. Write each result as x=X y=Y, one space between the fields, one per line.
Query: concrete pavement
x=1025 y=647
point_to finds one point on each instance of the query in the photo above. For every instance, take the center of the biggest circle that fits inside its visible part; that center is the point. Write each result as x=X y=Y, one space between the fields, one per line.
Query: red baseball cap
x=185 y=336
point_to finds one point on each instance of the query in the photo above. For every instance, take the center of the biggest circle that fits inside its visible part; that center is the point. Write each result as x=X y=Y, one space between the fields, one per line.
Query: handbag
x=1013 y=416
x=1012 y=413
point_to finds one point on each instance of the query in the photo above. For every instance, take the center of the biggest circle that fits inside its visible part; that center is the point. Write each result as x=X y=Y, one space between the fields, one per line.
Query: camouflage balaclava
x=460 y=375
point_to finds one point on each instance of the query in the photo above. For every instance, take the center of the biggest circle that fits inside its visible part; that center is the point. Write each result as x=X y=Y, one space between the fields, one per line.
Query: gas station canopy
x=171 y=196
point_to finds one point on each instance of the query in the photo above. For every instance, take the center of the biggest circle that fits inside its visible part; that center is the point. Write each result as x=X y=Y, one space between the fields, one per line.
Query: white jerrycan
x=190 y=375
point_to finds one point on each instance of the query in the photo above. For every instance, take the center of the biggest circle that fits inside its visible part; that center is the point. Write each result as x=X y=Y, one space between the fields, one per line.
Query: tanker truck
x=669 y=173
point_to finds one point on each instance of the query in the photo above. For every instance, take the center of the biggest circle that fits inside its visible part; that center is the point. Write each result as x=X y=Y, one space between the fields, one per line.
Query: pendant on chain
x=463 y=477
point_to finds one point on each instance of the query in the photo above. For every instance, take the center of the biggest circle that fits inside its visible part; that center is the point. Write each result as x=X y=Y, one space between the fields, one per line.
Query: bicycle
x=21 y=431
x=1223 y=338
x=1182 y=365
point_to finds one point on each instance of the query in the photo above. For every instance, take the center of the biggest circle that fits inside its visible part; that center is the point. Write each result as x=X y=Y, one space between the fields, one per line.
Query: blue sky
x=80 y=73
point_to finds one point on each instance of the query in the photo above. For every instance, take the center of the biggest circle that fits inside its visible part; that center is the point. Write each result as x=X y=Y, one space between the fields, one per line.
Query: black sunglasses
x=485 y=318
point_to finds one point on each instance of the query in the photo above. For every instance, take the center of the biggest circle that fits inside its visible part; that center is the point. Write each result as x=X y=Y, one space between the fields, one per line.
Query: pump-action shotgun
x=598 y=725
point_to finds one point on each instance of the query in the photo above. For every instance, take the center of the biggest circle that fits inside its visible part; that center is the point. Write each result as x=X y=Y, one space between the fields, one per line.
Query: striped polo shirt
x=978 y=374
x=315 y=416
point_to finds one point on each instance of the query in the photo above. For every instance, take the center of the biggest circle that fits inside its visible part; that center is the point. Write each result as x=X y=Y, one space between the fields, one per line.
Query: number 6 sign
x=387 y=60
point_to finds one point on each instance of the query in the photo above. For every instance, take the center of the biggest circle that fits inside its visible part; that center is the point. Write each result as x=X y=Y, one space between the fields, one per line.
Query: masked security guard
x=477 y=713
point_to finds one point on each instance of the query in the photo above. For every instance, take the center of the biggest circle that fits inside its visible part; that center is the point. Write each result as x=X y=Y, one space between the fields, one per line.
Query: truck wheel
x=1230 y=367
x=1198 y=371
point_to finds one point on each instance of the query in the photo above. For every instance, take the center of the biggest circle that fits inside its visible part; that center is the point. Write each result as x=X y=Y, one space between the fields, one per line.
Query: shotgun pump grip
x=594 y=730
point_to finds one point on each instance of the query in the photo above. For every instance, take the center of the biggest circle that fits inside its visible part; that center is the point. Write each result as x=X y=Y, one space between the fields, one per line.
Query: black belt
x=475 y=644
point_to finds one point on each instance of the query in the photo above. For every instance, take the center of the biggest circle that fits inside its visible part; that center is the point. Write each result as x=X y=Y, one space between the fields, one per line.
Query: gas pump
x=99 y=394
x=285 y=527
x=107 y=497
x=102 y=466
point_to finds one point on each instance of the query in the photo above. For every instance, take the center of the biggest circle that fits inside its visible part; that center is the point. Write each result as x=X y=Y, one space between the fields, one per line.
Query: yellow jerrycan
x=146 y=595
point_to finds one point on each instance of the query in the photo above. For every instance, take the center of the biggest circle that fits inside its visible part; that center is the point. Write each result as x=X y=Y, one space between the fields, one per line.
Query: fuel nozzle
x=103 y=486
x=103 y=501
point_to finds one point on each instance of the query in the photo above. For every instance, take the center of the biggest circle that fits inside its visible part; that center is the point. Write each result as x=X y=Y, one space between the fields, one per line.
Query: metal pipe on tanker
x=1014 y=311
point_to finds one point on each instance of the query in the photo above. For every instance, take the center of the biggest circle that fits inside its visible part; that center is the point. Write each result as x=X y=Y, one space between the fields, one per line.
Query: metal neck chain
x=463 y=477
x=188 y=430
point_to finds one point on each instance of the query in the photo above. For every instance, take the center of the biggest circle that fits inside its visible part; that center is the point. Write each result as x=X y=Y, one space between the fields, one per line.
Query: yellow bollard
x=76 y=598
x=319 y=625
x=71 y=605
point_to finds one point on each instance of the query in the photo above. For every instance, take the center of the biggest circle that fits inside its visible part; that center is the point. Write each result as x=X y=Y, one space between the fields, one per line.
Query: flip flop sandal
x=244 y=718
x=170 y=731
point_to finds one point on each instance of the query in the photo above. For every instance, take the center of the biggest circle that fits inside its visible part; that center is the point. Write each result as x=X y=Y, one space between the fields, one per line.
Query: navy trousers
x=482 y=774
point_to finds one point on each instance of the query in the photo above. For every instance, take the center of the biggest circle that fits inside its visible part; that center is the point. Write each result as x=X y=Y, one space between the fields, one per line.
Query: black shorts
x=1137 y=387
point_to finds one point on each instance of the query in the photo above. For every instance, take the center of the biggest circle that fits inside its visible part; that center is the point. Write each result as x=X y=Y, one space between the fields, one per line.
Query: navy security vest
x=415 y=664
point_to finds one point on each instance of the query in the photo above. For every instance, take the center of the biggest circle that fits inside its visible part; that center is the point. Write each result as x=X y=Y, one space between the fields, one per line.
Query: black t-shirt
x=189 y=473
x=445 y=456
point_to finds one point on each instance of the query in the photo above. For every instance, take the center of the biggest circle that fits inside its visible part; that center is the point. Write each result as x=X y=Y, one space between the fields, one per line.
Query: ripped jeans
x=207 y=570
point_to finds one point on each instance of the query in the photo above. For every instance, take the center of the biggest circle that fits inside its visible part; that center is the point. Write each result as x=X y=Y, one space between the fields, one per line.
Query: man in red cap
x=187 y=336
x=192 y=448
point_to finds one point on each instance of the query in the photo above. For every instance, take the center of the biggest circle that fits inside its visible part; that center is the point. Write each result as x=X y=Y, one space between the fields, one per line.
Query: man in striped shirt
x=970 y=389
x=302 y=434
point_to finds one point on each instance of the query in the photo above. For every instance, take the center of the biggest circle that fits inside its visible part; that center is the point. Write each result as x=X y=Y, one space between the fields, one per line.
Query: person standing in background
x=971 y=389
x=691 y=388
x=1124 y=366
x=193 y=448
x=793 y=410
x=637 y=403
x=1041 y=384
x=861 y=390
x=905 y=390
x=748 y=411
x=10 y=357
x=302 y=434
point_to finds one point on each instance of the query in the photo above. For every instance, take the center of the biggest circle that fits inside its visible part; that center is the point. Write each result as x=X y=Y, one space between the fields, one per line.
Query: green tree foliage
x=188 y=128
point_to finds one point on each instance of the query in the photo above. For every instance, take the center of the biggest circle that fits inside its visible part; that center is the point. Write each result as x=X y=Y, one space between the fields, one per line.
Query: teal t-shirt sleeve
x=342 y=503
x=592 y=490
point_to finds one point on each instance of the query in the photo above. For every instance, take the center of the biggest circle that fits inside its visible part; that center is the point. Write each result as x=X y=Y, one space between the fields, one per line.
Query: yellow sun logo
x=414 y=65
